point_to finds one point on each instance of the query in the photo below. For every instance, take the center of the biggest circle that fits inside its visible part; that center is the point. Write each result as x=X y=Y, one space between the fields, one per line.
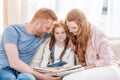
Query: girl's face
x=72 y=26
x=60 y=34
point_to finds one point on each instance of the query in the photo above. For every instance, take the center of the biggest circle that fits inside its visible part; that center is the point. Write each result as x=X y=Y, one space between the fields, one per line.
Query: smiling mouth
x=60 y=38
x=74 y=33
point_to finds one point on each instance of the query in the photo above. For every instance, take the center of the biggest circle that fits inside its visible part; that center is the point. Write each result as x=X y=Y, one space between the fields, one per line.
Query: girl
x=57 y=53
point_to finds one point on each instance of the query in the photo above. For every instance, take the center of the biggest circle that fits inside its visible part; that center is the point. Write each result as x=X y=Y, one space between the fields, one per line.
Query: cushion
x=115 y=44
x=39 y=54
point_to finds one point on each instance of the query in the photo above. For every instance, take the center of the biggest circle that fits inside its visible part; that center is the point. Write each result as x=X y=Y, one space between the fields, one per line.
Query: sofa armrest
x=115 y=44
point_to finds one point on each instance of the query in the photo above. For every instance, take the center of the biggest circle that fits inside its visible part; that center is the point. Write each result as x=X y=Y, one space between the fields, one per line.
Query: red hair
x=45 y=13
x=81 y=39
x=58 y=24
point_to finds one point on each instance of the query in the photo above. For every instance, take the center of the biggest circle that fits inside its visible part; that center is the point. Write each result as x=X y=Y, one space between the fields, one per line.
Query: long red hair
x=81 y=39
x=58 y=24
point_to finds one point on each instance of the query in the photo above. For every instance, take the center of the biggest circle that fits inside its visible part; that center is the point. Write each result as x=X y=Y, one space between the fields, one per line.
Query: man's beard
x=40 y=34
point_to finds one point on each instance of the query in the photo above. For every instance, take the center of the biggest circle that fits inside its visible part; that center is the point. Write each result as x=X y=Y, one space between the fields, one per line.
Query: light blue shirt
x=27 y=44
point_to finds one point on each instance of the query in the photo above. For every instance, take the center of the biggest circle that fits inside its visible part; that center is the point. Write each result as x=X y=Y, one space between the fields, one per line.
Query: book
x=60 y=72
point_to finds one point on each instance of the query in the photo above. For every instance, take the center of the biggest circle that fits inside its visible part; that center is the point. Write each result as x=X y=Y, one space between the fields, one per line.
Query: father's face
x=45 y=27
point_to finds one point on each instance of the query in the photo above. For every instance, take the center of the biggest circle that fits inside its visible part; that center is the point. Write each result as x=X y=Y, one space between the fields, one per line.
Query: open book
x=60 y=72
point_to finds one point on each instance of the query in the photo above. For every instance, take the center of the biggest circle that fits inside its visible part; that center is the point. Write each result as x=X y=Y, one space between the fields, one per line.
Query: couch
x=114 y=42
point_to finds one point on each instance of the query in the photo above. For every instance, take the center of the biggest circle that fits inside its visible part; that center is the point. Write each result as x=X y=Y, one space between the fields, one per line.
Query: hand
x=58 y=68
x=50 y=76
x=90 y=66
x=71 y=45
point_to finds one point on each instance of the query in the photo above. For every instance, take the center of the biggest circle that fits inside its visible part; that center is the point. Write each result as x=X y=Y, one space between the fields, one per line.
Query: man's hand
x=50 y=76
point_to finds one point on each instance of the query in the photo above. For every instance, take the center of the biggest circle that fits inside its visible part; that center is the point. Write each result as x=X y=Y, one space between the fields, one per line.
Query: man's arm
x=15 y=63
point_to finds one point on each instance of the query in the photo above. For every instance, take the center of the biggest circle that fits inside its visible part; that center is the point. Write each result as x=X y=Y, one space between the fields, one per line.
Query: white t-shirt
x=68 y=57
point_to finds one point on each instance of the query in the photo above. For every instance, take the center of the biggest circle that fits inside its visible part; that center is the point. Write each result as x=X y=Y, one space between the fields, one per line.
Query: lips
x=60 y=38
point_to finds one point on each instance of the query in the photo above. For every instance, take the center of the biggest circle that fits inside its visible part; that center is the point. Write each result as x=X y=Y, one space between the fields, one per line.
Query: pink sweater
x=98 y=50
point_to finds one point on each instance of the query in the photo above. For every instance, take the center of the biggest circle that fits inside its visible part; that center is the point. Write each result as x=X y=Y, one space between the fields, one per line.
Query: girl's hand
x=58 y=68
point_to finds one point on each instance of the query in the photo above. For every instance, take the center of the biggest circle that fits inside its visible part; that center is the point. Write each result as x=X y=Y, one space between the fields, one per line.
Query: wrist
x=37 y=74
x=83 y=68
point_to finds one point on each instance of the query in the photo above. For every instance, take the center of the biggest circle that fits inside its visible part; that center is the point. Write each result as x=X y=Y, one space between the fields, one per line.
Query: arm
x=102 y=50
x=10 y=40
x=20 y=66
x=14 y=60
x=105 y=52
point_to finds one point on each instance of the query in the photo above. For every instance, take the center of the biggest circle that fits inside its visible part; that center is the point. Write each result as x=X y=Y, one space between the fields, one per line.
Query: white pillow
x=39 y=54
x=115 y=44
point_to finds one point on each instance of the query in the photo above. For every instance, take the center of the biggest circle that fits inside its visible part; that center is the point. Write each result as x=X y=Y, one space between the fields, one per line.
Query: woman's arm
x=103 y=50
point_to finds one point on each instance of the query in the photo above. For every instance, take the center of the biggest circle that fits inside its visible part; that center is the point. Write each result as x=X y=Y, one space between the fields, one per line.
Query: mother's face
x=72 y=26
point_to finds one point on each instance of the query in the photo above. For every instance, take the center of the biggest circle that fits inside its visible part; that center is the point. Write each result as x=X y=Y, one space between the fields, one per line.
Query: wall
x=12 y=9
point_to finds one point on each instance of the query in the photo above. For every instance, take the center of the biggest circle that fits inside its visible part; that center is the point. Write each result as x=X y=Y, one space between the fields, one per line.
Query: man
x=20 y=42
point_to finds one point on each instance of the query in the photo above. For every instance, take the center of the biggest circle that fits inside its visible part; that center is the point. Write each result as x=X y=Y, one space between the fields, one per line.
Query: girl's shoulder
x=70 y=50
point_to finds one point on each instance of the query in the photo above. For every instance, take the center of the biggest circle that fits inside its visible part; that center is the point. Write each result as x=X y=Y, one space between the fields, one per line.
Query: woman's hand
x=90 y=66
x=71 y=45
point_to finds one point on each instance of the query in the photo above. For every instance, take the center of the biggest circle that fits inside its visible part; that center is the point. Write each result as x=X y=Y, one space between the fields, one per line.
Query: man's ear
x=37 y=23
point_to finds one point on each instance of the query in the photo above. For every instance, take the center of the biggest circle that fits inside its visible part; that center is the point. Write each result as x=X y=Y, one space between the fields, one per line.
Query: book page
x=60 y=72
x=63 y=73
x=45 y=69
x=70 y=68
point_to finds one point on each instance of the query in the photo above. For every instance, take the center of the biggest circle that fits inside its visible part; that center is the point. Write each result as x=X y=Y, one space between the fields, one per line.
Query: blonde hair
x=82 y=34
x=44 y=13
x=58 y=24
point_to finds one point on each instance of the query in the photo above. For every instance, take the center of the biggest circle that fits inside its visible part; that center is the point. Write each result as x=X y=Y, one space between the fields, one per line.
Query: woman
x=92 y=49
x=57 y=54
